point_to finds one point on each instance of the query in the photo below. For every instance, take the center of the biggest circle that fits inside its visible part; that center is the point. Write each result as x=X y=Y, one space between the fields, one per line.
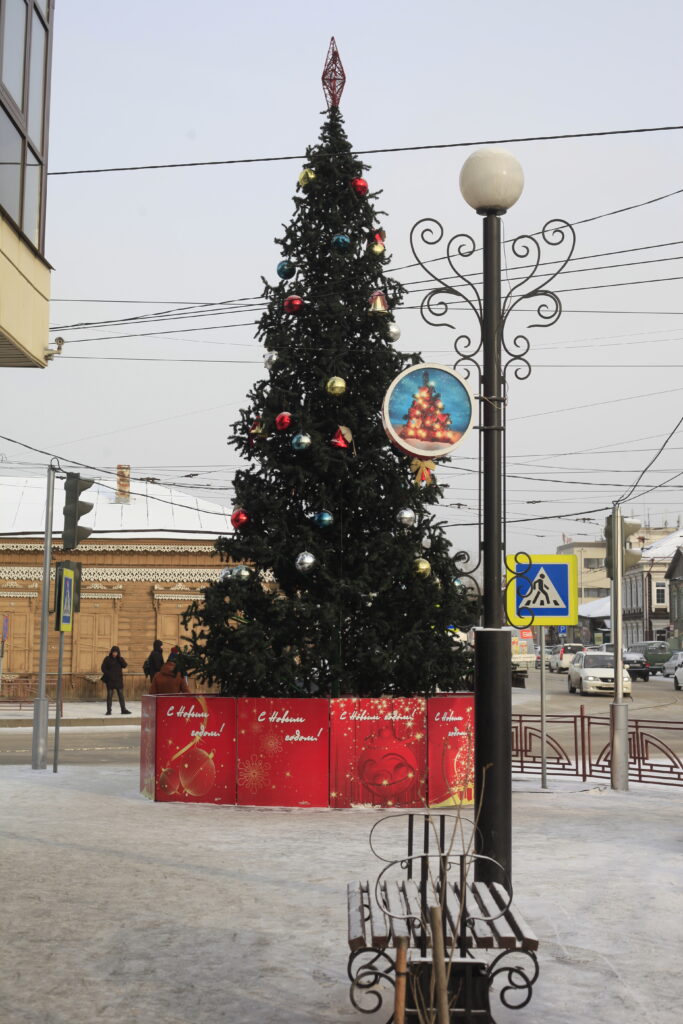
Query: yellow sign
x=542 y=590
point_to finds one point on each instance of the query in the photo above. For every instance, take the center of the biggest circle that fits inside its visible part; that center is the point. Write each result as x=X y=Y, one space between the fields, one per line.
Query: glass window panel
x=10 y=166
x=13 y=47
x=32 y=190
x=36 y=83
x=42 y=6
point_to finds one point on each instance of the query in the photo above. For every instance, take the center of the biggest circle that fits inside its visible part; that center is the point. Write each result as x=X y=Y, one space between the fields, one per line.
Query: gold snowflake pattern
x=272 y=744
x=254 y=773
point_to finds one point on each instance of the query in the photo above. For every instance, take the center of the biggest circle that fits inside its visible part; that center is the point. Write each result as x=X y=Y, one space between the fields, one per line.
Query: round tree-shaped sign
x=428 y=410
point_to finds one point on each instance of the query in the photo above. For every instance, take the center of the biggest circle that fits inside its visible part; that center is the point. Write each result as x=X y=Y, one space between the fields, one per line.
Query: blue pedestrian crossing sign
x=542 y=590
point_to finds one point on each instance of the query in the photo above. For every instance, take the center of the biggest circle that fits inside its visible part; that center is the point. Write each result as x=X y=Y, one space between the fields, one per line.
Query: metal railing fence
x=580 y=745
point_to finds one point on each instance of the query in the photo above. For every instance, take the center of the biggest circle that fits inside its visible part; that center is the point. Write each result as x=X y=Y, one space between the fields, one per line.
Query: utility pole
x=617 y=530
x=41 y=704
x=619 y=707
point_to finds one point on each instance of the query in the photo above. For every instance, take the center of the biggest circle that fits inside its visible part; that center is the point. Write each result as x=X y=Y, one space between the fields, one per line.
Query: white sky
x=162 y=82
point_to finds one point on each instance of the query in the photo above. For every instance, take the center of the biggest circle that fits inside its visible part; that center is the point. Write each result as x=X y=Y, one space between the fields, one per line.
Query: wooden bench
x=484 y=937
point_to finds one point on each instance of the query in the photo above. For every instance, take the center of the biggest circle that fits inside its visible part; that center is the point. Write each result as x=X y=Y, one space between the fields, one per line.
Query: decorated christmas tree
x=339 y=578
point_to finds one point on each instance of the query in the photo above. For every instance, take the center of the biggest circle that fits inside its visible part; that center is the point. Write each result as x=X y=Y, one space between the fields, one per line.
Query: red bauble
x=339 y=441
x=387 y=767
x=293 y=304
x=360 y=186
x=197 y=772
x=283 y=421
x=239 y=518
x=169 y=780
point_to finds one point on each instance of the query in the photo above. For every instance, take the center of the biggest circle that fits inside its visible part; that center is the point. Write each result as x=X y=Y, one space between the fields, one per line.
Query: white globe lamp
x=491 y=180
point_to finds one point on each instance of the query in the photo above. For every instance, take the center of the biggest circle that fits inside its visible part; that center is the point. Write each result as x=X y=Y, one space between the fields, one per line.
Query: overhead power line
x=371 y=152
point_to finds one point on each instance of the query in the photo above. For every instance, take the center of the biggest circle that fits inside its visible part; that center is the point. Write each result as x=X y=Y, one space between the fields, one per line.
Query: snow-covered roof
x=599 y=609
x=664 y=548
x=152 y=510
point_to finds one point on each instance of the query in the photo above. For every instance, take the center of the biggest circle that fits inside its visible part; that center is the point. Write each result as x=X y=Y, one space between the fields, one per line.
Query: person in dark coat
x=112 y=674
x=156 y=659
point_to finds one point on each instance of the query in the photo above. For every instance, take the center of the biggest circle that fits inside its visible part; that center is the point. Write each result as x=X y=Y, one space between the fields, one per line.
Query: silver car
x=675 y=661
x=594 y=673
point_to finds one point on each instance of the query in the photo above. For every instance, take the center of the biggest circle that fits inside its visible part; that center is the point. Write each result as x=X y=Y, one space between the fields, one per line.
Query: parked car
x=562 y=656
x=675 y=661
x=637 y=665
x=594 y=673
x=678 y=678
x=549 y=651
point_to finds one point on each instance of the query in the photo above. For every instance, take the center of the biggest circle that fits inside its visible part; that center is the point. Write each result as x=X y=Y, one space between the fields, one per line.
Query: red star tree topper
x=333 y=78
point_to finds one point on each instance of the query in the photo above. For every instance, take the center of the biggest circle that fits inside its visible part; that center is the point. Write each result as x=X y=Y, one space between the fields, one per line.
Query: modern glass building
x=25 y=61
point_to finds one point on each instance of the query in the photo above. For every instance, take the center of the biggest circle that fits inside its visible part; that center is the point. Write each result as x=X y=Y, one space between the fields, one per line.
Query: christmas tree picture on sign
x=340 y=577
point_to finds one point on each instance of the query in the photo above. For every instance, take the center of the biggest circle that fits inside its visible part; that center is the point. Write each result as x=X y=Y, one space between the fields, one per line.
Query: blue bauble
x=341 y=243
x=300 y=442
x=323 y=519
x=285 y=270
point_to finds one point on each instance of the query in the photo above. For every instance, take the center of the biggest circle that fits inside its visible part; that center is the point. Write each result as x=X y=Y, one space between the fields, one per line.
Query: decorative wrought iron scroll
x=458 y=292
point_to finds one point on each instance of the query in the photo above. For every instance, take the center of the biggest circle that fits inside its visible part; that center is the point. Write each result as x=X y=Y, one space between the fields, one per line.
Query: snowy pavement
x=119 y=910
x=92 y=712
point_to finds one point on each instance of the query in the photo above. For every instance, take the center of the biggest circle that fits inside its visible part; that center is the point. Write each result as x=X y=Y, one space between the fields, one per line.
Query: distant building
x=590 y=554
x=645 y=592
x=674 y=577
x=645 y=587
x=25 y=63
x=150 y=555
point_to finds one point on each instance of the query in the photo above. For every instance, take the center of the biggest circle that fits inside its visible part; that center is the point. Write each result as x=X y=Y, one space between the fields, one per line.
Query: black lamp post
x=491 y=181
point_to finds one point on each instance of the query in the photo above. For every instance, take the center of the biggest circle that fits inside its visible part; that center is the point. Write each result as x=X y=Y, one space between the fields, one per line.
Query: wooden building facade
x=133 y=591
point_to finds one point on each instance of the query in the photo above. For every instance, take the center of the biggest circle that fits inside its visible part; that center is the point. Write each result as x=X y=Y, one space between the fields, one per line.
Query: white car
x=562 y=656
x=678 y=678
x=675 y=661
x=594 y=673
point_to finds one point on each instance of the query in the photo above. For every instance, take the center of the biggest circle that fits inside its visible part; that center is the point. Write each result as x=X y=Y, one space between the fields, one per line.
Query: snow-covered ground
x=115 y=909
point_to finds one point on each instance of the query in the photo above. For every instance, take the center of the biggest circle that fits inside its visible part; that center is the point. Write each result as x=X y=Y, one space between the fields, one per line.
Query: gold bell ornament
x=378 y=303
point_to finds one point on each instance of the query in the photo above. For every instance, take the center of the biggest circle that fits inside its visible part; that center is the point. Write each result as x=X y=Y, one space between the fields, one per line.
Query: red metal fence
x=580 y=745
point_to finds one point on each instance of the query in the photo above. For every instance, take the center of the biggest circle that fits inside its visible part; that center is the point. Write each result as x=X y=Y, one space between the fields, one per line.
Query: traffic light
x=73 y=534
x=609 y=547
x=629 y=556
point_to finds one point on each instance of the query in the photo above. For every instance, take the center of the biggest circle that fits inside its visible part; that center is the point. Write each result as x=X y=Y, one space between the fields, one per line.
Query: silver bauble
x=406 y=517
x=241 y=573
x=270 y=360
x=394 y=331
x=426 y=543
x=305 y=561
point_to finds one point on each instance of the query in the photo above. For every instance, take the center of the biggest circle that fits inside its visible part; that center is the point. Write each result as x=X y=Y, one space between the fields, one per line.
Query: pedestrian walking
x=169 y=680
x=112 y=675
x=155 y=660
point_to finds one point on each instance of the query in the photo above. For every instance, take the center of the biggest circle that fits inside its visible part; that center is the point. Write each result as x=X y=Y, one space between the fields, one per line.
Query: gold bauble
x=336 y=386
x=377 y=249
x=306 y=177
x=422 y=567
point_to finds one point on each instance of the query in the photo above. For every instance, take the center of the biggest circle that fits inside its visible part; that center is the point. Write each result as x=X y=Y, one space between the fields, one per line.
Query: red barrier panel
x=187 y=748
x=450 y=727
x=283 y=750
x=378 y=751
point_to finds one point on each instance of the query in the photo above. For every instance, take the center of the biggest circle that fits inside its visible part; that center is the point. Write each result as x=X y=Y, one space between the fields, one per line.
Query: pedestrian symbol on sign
x=542 y=594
